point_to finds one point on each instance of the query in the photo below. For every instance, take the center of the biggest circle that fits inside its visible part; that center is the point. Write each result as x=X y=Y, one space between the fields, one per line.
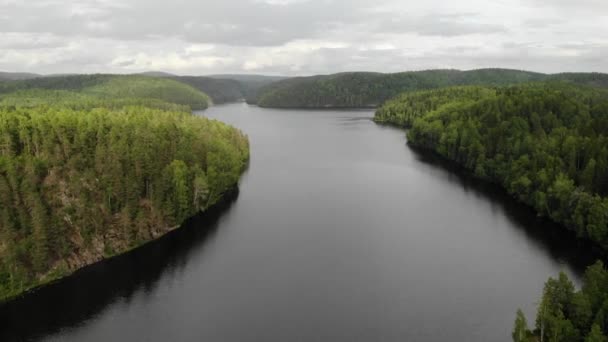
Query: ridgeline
x=111 y=87
x=370 y=90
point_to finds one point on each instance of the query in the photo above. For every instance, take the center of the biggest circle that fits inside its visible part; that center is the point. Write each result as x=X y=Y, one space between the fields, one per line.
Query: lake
x=340 y=232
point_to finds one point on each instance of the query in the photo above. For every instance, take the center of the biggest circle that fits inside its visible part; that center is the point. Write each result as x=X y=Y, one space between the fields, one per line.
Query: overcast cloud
x=301 y=37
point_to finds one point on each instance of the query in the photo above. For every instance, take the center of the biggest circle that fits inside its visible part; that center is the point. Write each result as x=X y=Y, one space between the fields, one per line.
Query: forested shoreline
x=546 y=144
x=93 y=166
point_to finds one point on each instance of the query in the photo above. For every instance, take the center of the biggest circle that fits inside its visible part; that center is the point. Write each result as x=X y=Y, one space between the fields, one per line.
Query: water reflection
x=341 y=233
x=560 y=243
x=83 y=296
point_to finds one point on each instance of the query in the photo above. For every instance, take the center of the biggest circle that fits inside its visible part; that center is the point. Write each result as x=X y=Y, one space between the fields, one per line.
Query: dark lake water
x=340 y=232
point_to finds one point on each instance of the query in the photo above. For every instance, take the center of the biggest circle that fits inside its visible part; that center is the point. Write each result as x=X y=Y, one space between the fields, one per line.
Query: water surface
x=340 y=232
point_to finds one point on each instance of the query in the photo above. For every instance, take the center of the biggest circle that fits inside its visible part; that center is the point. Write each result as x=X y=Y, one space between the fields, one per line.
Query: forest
x=13 y=76
x=220 y=90
x=546 y=144
x=111 y=87
x=404 y=109
x=228 y=88
x=369 y=90
x=567 y=315
x=93 y=166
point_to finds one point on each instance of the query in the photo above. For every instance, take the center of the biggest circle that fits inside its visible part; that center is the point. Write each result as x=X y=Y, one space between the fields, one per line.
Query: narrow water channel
x=340 y=232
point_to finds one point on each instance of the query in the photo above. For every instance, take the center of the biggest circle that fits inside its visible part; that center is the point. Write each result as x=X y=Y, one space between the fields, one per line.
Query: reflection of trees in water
x=561 y=244
x=90 y=290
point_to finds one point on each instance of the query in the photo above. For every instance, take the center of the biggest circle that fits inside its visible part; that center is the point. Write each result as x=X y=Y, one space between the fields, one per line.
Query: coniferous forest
x=93 y=166
x=111 y=87
x=309 y=170
x=546 y=144
x=367 y=89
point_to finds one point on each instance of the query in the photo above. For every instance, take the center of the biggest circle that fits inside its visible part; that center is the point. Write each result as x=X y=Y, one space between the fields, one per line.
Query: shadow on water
x=560 y=243
x=83 y=295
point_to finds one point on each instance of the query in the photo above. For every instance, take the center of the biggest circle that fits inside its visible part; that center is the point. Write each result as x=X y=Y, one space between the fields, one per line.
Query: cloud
x=26 y=41
x=301 y=36
x=437 y=24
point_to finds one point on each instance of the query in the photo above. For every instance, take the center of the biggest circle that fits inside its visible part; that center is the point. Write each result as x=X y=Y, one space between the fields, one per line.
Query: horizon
x=284 y=76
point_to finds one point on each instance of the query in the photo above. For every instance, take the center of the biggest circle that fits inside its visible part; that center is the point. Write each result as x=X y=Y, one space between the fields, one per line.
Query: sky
x=301 y=37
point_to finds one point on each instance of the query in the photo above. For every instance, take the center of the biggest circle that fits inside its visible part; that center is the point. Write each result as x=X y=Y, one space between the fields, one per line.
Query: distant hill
x=12 y=76
x=220 y=90
x=368 y=89
x=156 y=74
x=594 y=79
x=115 y=87
x=342 y=90
x=223 y=88
x=250 y=84
x=249 y=78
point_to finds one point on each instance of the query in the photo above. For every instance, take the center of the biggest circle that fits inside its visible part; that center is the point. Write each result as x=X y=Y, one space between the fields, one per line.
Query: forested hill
x=220 y=90
x=407 y=107
x=593 y=79
x=115 y=86
x=251 y=85
x=166 y=87
x=361 y=89
x=223 y=88
x=93 y=166
x=12 y=76
x=545 y=143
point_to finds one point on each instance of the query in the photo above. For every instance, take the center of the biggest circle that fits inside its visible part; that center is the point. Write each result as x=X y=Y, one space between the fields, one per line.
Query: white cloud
x=301 y=36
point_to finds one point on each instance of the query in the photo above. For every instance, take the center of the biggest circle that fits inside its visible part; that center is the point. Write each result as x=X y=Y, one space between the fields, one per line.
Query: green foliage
x=405 y=108
x=220 y=90
x=12 y=76
x=557 y=301
x=568 y=315
x=520 y=329
x=150 y=88
x=250 y=85
x=83 y=177
x=78 y=101
x=225 y=88
x=111 y=87
x=545 y=143
x=596 y=335
x=361 y=89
